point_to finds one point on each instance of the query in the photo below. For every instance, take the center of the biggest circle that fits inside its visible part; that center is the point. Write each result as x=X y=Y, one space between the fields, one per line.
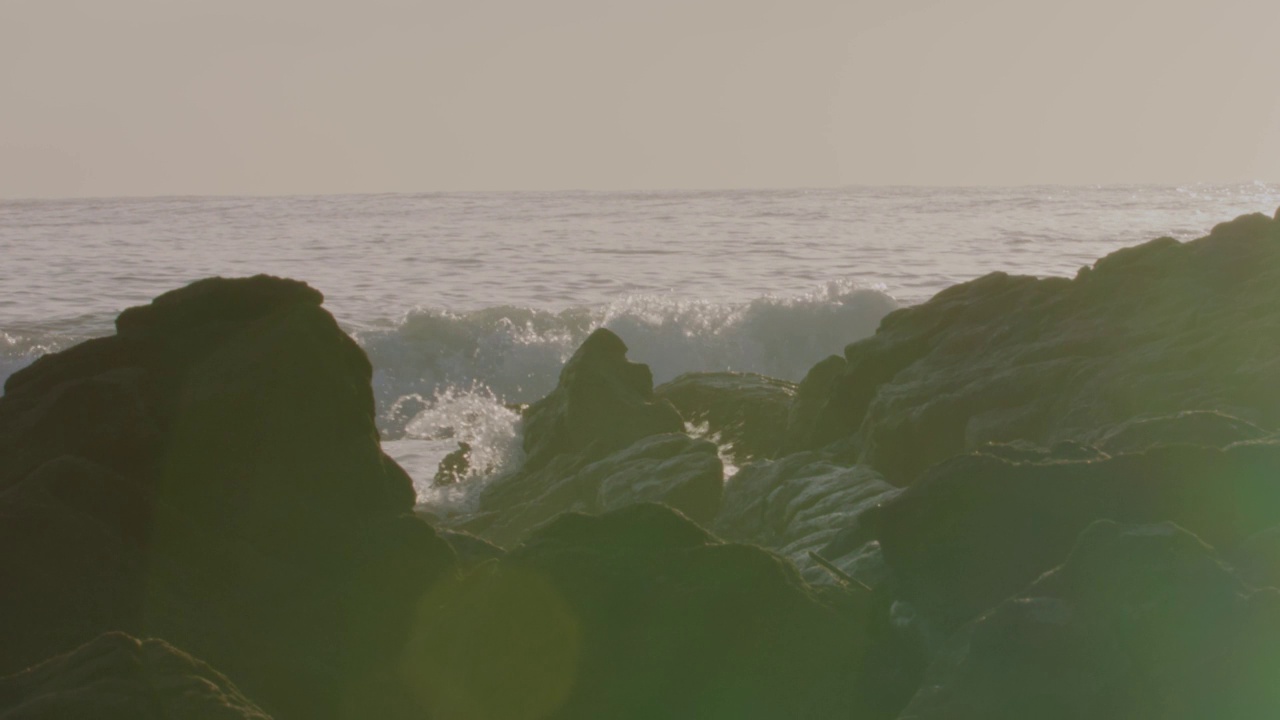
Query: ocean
x=468 y=303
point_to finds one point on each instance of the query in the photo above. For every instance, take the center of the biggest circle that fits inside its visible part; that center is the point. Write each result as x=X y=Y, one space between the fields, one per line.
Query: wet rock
x=674 y=469
x=1195 y=427
x=640 y=613
x=212 y=474
x=976 y=529
x=1151 y=330
x=745 y=412
x=1137 y=622
x=117 y=677
x=798 y=505
x=602 y=404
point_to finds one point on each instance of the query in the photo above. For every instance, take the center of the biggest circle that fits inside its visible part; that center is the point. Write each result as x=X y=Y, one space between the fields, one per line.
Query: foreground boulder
x=211 y=474
x=117 y=677
x=976 y=529
x=1138 y=622
x=639 y=613
x=1151 y=330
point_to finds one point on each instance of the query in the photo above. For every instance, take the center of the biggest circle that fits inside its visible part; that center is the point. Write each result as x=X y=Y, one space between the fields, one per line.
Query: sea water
x=468 y=303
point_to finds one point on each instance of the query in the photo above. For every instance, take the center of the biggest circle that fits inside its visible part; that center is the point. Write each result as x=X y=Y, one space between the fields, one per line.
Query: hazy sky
x=147 y=97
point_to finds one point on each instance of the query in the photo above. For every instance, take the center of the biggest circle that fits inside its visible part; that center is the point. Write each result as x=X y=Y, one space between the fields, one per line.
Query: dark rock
x=674 y=469
x=454 y=467
x=1138 y=622
x=1021 y=451
x=798 y=505
x=976 y=529
x=1148 y=331
x=212 y=474
x=1201 y=427
x=602 y=404
x=116 y=677
x=639 y=613
x=745 y=412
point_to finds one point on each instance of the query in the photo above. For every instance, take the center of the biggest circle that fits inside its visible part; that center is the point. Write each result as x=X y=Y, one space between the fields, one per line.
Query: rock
x=976 y=529
x=602 y=404
x=798 y=505
x=119 y=677
x=640 y=613
x=1152 y=330
x=745 y=412
x=674 y=469
x=212 y=474
x=1201 y=427
x=454 y=467
x=1138 y=622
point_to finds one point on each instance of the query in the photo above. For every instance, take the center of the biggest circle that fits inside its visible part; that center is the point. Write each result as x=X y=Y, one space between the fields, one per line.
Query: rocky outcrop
x=211 y=474
x=602 y=404
x=976 y=529
x=799 y=505
x=682 y=472
x=1152 y=330
x=117 y=677
x=600 y=441
x=746 y=413
x=639 y=613
x=1137 y=622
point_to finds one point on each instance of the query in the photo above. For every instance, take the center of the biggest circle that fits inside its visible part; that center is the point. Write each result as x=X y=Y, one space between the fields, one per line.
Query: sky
x=269 y=97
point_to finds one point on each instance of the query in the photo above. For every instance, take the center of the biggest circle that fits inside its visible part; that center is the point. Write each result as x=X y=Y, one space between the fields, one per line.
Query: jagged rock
x=639 y=613
x=602 y=404
x=1139 y=622
x=975 y=529
x=212 y=474
x=798 y=505
x=117 y=677
x=674 y=469
x=1150 y=330
x=744 y=411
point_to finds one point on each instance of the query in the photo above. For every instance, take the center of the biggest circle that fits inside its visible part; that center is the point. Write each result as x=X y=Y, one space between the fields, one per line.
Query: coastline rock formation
x=1151 y=330
x=1024 y=498
x=745 y=412
x=1139 y=621
x=212 y=475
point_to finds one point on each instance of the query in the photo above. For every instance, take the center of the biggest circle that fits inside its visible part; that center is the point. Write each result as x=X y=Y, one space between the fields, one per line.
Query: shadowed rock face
x=745 y=412
x=211 y=474
x=1150 y=330
x=976 y=529
x=1139 y=622
x=639 y=613
x=598 y=442
x=602 y=404
x=117 y=677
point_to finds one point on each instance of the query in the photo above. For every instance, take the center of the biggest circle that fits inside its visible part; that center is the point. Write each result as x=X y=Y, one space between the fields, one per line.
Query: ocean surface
x=467 y=302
